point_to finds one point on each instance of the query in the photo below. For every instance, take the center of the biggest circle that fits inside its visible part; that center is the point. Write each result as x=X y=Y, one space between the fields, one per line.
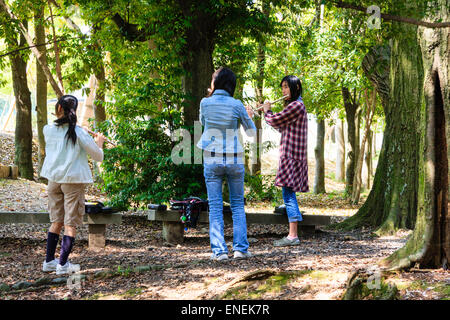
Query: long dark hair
x=295 y=86
x=69 y=105
x=225 y=79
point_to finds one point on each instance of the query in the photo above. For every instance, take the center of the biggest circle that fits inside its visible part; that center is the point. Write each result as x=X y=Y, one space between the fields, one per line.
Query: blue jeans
x=234 y=173
x=290 y=200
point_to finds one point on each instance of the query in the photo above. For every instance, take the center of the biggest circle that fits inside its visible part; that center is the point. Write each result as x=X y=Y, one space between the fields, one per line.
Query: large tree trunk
x=411 y=183
x=391 y=204
x=41 y=86
x=23 y=133
x=429 y=245
x=319 y=178
x=198 y=63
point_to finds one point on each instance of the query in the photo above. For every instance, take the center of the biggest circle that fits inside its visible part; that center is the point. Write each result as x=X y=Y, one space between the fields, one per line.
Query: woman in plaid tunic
x=292 y=173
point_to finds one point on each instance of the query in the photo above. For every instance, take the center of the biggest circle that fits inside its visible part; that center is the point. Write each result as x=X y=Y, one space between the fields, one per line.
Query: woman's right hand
x=99 y=139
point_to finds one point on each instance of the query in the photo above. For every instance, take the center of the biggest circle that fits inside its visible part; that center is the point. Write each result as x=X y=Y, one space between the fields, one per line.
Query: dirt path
x=137 y=264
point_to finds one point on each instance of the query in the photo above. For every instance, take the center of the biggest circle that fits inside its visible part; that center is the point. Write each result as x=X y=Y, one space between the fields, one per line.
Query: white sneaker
x=49 y=266
x=242 y=255
x=220 y=257
x=67 y=268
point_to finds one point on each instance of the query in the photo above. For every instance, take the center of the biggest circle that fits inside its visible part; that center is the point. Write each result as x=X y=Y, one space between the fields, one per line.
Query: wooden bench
x=96 y=223
x=173 y=229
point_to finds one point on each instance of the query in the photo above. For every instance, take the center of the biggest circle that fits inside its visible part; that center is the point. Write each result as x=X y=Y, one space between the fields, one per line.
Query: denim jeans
x=290 y=200
x=234 y=173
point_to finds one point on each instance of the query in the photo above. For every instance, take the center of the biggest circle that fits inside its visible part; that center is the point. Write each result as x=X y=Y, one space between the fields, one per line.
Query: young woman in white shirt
x=67 y=170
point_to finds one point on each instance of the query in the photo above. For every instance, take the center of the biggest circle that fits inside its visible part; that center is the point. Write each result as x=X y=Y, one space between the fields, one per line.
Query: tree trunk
x=429 y=245
x=100 y=92
x=368 y=158
x=198 y=63
x=351 y=108
x=370 y=108
x=260 y=63
x=319 y=179
x=39 y=57
x=391 y=204
x=411 y=184
x=256 y=163
x=41 y=86
x=340 y=153
x=23 y=133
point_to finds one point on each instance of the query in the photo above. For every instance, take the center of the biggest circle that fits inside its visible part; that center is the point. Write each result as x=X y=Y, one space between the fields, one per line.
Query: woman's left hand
x=250 y=111
x=266 y=106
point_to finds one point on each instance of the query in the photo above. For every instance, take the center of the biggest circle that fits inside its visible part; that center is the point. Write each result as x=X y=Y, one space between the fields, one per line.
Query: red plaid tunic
x=292 y=122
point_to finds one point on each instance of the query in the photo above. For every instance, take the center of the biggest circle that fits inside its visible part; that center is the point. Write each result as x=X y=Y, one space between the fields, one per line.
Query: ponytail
x=69 y=105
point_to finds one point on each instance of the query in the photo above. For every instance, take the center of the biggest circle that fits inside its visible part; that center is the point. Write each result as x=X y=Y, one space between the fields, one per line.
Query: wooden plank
x=103 y=218
x=5 y=172
x=252 y=218
x=24 y=217
x=43 y=217
x=97 y=238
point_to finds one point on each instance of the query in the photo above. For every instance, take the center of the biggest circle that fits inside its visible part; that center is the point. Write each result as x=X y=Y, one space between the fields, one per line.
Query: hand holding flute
x=99 y=138
x=268 y=105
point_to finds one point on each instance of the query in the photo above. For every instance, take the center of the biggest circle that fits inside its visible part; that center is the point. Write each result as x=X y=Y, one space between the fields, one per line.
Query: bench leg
x=173 y=232
x=97 y=236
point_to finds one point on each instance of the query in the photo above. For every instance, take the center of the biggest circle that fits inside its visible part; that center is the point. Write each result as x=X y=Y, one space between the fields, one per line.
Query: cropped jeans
x=234 y=173
x=290 y=200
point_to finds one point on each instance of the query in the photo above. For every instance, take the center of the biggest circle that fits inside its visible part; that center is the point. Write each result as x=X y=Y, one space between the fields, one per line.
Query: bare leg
x=56 y=227
x=293 y=228
x=70 y=231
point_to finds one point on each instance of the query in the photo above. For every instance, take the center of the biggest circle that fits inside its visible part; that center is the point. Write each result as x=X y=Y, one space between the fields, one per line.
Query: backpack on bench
x=190 y=209
x=97 y=207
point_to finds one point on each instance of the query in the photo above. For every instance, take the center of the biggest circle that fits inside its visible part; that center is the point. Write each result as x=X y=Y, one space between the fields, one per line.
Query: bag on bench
x=190 y=208
x=98 y=207
x=280 y=209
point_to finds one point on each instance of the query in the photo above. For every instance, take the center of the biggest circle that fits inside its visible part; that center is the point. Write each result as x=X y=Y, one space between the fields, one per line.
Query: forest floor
x=137 y=263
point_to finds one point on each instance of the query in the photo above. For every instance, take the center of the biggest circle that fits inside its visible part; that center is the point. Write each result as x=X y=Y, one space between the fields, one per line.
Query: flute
x=106 y=139
x=275 y=101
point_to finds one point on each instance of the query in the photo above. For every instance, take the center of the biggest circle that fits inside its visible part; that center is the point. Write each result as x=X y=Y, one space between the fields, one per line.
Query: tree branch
x=37 y=45
x=39 y=57
x=55 y=44
x=70 y=22
x=130 y=31
x=386 y=16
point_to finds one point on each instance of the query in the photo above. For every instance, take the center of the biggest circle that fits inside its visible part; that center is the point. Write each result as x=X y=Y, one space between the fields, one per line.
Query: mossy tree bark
x=410 y=188
x=391 y=203
x=429 y=245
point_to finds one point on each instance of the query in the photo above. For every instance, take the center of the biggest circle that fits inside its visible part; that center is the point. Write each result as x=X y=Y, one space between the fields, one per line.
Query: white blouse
x=66 y=162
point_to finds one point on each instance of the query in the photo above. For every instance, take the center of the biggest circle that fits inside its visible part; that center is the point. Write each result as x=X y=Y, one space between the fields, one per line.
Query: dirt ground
x=137 y=264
